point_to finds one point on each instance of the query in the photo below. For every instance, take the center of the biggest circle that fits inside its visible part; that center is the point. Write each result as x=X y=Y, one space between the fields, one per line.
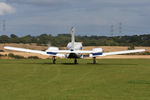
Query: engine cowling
x=98 y=50
x=52 y=49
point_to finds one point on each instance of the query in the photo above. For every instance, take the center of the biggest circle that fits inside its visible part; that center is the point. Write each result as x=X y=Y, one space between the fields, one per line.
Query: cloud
x=99 y=2
x=90 y=16
x=39 y=2
x=6 y=8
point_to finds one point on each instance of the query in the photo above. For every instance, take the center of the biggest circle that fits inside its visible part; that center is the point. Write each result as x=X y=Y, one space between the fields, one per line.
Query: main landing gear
x=94 y=60
x=75 y=61
x=54 y=60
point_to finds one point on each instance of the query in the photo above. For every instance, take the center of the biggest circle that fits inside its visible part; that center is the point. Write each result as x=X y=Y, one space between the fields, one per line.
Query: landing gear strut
x=54 y=60
x=94 y=60
x=75 y=61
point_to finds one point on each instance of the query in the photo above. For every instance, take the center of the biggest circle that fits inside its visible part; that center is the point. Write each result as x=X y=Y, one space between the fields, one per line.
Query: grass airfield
x=110 y=79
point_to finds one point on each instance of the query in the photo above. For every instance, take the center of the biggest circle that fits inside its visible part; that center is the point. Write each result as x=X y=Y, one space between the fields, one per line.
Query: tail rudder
x=73 y=37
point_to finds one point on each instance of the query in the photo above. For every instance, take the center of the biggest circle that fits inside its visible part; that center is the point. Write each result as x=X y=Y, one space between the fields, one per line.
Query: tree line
x=63 y=39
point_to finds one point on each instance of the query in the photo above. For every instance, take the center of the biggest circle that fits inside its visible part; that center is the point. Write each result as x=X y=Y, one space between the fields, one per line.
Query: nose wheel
x=53 y=60
x=94 y=60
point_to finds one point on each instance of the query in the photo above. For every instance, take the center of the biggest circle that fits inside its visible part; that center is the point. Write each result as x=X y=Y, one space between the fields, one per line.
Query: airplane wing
x=25 y=50
x=95 y=52
x=32 y=51
x=123 y=52
x=58 y=53
x=68 y=51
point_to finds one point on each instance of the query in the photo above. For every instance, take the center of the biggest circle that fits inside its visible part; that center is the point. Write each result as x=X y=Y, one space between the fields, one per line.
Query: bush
x=1 y=50
x=131 y=47
x=145 y=53
x=15 y=56
x=33 y=57
x=10 y=55
x=1 y=55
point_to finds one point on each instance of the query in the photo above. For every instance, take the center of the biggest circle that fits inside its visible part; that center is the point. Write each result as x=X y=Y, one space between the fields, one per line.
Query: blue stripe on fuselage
x=51 y=53
x=96 y=54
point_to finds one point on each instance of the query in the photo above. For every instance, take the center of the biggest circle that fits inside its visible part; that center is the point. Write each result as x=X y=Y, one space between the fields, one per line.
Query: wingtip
x=144 y=49
x=5 y=47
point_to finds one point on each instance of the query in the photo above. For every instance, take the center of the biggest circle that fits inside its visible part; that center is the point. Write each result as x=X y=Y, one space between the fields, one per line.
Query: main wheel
x=94 y=60
x=75 y=61
x=54 y=60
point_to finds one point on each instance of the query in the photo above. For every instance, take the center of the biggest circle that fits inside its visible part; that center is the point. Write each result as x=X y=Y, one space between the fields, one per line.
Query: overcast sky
x=89 y=17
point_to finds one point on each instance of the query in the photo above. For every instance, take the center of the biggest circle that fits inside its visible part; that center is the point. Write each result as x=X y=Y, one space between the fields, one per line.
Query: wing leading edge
x=99 y=53
x=123 y=52
x=25 y=50
x=33 y=51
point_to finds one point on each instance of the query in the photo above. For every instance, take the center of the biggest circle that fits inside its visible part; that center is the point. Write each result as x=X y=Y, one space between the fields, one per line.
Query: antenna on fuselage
x=73 y=37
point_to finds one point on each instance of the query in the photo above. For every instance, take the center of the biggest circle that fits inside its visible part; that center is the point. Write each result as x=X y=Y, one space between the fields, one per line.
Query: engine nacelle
x=98 y=50
x=52 y=49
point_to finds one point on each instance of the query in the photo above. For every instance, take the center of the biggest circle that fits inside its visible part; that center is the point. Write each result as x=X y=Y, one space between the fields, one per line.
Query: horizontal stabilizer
x=76 y=51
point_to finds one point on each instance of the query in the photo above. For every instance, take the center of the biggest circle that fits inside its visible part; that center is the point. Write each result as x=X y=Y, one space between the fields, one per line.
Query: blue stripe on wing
x=97 y=54
x=52 y=53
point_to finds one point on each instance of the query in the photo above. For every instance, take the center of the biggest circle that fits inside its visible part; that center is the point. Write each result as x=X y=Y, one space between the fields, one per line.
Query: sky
x=89 y=17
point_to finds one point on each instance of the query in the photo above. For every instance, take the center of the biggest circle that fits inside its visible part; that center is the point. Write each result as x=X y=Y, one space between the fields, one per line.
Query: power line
x=3 y=26
x=120 y=28
x=112 y=30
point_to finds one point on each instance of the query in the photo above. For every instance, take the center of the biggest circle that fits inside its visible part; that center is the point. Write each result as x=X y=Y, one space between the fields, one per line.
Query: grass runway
x=110 y=79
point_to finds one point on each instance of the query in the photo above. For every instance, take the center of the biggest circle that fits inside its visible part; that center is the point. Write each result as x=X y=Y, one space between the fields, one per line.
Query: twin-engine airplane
x=73 y=50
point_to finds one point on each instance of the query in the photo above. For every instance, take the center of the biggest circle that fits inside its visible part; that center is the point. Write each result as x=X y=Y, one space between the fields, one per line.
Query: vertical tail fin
x=73 y=37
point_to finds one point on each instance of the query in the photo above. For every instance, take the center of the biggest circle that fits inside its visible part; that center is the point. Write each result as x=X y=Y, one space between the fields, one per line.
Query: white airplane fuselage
x=74 y=47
